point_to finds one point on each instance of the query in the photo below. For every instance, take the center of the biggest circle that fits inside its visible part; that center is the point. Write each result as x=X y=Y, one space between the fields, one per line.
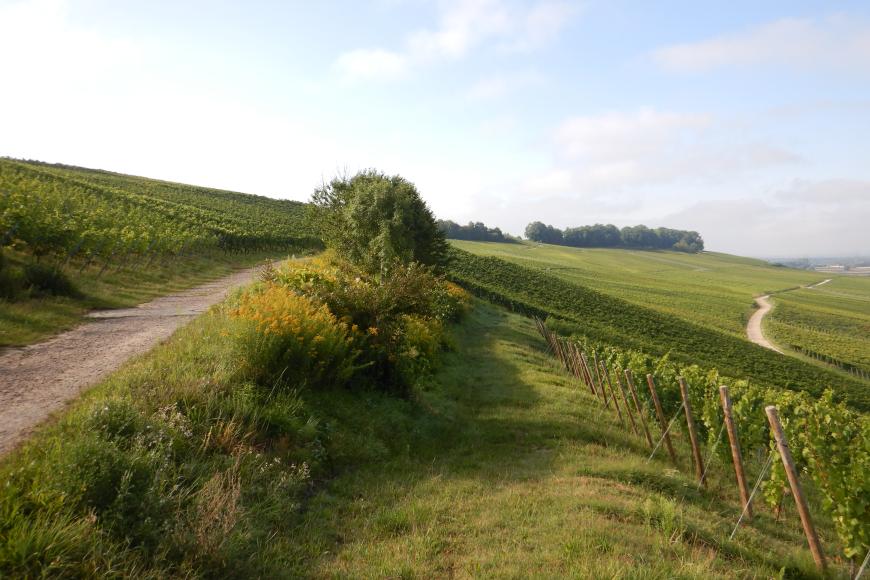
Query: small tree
x=375 y=221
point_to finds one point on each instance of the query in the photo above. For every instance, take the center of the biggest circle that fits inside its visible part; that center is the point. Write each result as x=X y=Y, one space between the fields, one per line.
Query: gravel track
x=40 y=379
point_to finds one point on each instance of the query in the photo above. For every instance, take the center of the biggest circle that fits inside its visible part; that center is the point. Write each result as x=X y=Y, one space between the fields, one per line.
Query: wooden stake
x=612 y=392
x=661 y=415
x=736 y=454
x=589 y=374
x=630 y=380
x=598 y=377
x=795 y=484
x=583 y=372
x=693 y=434
x=627 y=406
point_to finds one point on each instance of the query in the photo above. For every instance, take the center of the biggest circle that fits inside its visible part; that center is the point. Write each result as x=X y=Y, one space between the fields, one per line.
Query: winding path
x=37 y=380
x=753 y=328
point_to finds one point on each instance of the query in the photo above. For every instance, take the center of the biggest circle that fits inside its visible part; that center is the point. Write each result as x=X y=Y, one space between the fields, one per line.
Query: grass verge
x=497 y=465
x=29 y=320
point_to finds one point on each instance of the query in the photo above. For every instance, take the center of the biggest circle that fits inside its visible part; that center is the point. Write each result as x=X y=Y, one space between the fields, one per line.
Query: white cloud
x=464 y=25
x=834 y=42
x=371 y=64
x=828 y=192
x=757 y=227
x=498 y=86
x=618 y=150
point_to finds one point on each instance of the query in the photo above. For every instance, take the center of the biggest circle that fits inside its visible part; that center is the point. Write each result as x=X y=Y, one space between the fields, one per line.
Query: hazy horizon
x=746 y=123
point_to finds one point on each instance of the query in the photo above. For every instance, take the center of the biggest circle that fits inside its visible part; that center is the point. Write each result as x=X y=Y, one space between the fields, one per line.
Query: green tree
x=376 y=221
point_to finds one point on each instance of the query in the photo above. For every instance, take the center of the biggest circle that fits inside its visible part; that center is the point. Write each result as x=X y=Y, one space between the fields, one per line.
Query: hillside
x=711 y=289
x=75 y=239
x=610 y=320
x=498 y=465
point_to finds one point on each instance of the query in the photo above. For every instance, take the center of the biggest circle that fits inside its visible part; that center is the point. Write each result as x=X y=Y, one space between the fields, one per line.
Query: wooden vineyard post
x=630 y=380
x=581 y=367
x=661 y=415
x=736 y=454
x=627 y=405
x=589 y=374
x=598 y=376
x=693 y=434
x=613 y=397
x=795 y=484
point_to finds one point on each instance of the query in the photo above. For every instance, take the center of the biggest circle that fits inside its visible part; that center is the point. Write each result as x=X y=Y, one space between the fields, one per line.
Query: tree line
x=610 y=236
x=474 y=231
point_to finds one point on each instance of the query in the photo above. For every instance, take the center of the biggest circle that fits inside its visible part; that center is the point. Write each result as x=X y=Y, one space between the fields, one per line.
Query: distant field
x=712 y=289
x=612 y=320
x=832 y=320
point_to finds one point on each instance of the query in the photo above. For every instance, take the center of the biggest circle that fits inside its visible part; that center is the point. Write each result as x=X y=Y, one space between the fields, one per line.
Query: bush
x=286 y=338
x=11 y=283
x=397 y=318
x=48 y=280
x=378 y=222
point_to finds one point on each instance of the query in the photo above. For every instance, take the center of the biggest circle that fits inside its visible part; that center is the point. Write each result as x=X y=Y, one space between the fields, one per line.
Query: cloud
x=837 y=41
x=464 y=25
x=375 y=63
x=828 y=192
x=618 y=150
x=756 y=227
x=497 y=86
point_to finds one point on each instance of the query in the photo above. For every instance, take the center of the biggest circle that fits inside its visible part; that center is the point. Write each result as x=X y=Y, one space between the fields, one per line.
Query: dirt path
x=39 y=379
x=753 y=329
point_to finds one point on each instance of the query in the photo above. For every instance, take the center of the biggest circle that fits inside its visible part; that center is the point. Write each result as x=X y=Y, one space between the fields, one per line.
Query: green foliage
x=376 y=221
x=47 y=279
x=396 y=319
x=69 y=212
x=714 y=290
x=286 y=339
x=609 y=320
x=476 y=231
x=609 y=236
x=830 y=443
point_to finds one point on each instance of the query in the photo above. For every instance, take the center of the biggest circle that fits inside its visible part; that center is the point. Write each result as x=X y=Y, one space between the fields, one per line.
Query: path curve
x=39 y=379
x=753 y=329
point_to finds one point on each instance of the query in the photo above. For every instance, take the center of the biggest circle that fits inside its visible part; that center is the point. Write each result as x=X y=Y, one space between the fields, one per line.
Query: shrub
x=397 y=317
x=11 y=283
x=48 y=280
x=287 y=338
x=378 y=222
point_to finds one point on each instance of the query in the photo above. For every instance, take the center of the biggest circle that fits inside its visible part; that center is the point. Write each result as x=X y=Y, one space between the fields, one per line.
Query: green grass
x=609 y=320
x=498 y=465
x=712 y=289
x=29 y=320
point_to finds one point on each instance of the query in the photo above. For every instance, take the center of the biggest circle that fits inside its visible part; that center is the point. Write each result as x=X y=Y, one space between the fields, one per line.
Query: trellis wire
x=752 y=495
x=710 y=455
x=671 y=424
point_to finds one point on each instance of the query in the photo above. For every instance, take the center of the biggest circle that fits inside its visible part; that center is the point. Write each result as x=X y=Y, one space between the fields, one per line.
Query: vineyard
x=710 y=289
x=829 y=323
x=829 y=444
x=617 y=322
x=95 y=216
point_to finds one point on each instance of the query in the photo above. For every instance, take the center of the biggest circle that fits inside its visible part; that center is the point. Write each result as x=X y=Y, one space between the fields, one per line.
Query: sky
x=746 y=121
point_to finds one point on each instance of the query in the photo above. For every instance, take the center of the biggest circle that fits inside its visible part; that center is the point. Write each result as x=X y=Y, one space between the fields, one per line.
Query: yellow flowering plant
x=288 y=338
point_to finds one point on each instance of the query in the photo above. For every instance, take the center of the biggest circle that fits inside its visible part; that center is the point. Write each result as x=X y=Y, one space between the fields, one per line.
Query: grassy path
x=512 y=471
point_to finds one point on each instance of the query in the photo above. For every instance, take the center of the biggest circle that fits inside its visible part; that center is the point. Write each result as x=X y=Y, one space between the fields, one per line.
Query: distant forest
x=474 y=231
x=610 y=236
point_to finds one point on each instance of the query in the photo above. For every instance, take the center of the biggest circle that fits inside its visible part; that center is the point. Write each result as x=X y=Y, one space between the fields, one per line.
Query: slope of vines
x=69 y=212
x=620 y=323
